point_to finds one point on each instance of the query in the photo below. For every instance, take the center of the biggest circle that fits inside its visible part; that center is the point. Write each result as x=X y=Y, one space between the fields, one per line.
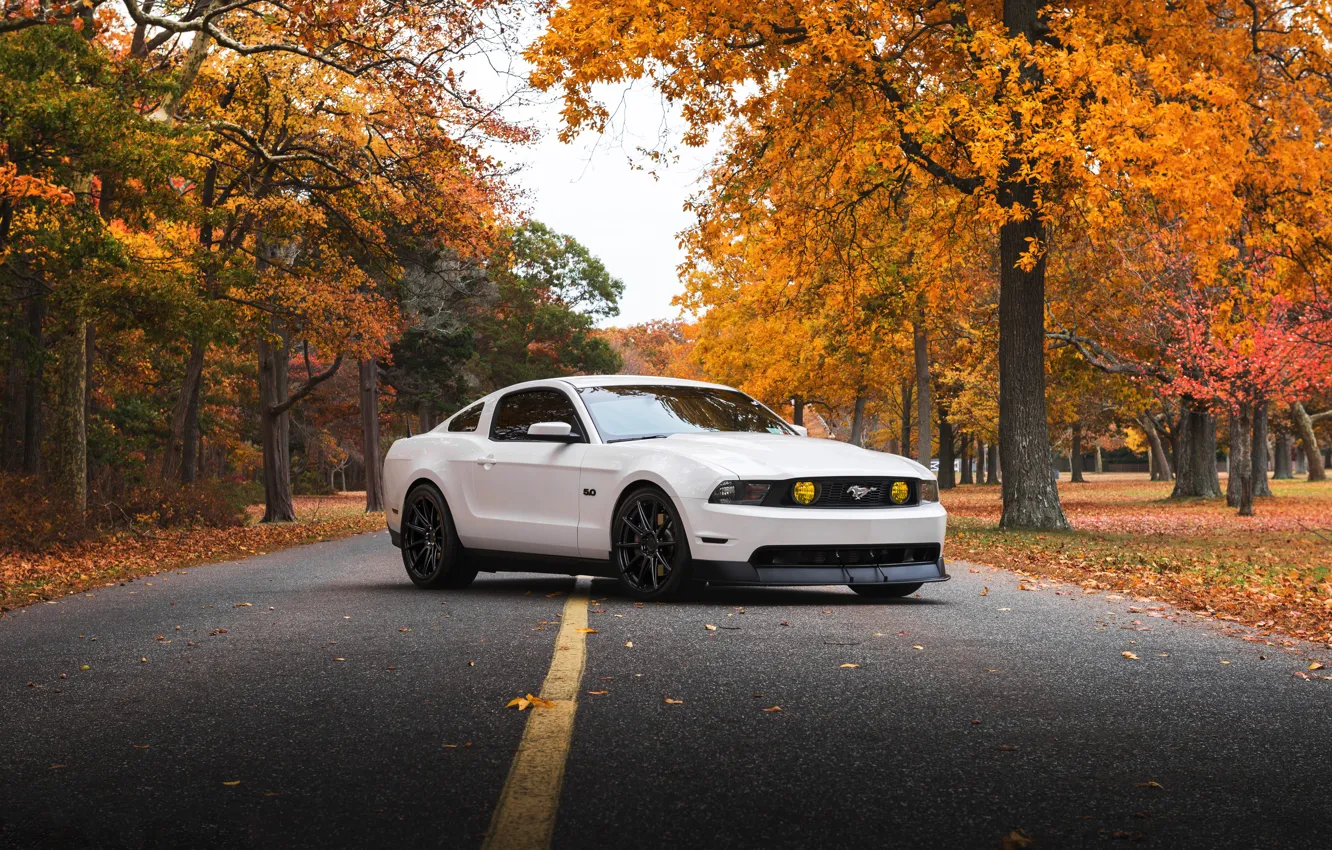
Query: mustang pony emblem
x=858 y=491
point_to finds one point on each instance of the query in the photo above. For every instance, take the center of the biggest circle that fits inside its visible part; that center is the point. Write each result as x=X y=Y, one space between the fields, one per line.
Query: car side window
x=519 y=411
x=468 y=420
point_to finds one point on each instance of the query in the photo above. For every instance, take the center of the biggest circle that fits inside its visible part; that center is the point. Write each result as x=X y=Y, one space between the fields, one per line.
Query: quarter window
x=468 y=420
x=520 y=411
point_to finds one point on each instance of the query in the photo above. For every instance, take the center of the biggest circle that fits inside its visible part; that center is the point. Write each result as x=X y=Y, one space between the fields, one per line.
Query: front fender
x=611 y=472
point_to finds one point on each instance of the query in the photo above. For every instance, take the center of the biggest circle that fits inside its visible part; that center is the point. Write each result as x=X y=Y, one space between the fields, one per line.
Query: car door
x=524 y=493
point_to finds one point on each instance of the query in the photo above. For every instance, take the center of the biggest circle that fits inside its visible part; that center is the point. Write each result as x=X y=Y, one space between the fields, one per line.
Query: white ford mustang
x=656 y=482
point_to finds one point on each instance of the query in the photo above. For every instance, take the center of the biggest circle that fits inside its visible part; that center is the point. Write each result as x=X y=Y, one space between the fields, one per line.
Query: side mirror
x=801 y=430
x=555 y=432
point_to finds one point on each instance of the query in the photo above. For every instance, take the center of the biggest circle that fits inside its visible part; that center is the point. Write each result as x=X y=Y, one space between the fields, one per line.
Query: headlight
x=929 y=490
x=740 y=493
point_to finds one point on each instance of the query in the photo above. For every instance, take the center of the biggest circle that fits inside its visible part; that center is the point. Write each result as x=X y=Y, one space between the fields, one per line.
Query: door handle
x=486 y=461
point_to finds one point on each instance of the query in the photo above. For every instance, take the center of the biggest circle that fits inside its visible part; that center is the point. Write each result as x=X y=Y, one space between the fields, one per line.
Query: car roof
x=635 y=380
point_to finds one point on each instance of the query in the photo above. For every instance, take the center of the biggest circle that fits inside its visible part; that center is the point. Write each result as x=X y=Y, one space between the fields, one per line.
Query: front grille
x=843 y=492
x=845 y=556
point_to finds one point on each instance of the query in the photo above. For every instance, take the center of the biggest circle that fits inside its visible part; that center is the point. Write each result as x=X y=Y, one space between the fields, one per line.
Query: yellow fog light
x=900 y=492
x=804 y=492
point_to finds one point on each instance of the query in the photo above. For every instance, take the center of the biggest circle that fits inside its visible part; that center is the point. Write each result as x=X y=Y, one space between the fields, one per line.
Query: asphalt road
x=969 y=716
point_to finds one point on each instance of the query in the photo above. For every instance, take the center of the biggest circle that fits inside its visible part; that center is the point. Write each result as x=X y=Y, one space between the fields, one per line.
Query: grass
x=1272 y=570
x=73 y=568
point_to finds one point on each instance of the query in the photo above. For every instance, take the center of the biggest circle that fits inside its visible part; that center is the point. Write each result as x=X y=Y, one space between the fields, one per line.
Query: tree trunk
x=858 y=422
x=1031 y=499
x=23 y=385
x=424 y=412
x=1241 y=459
x=922 y=352
x=797 y=411
x=1232 y=478
x=1308 y=441
x=906 y=416
x=992 y=471
x=71 y=472
x=33 y=385
x=1159 y=463
x=1195 y=443
x=947 y=480
x=1259 y=454
x=1075 y=456
x=190 y=448
x=966 y=461
x=374 y=472
x=183 y=415
x=1281 y=461
x=275 y=427
x=1100 y=467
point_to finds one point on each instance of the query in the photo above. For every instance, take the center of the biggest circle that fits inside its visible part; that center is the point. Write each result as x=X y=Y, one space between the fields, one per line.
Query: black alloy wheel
x=885 y=591
x=430 y=548
x=650 y=551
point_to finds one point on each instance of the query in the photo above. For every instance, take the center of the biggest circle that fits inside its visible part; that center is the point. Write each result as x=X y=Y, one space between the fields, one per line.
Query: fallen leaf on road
x=849 y=666
x=529 y=700
x=985 y=591
x=598 y=693
x=242 y=605
x=774 y=708
x=670 y=701
x=1005 y=609
x=1129 y=656
x=629 y=644
x=140 y=746
x=586 y=631
x=56 y=766
x=917 y=646
x=1007 y=748
x=1151 y=785
x=783 y=623
x=1225 y=662
x=710 y=627
x=339 y=659
x=1023 y=587
x=85 y=667
x=450 y=746
x=143 y=660
x=1015 y=840
x=232 y=784
x=553 y=595
x=1315 y=666
x=471 y=663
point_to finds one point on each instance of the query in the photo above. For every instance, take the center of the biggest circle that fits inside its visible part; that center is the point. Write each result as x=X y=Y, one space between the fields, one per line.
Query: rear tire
x=649 y=548
x=431 y=553
x=885 y=591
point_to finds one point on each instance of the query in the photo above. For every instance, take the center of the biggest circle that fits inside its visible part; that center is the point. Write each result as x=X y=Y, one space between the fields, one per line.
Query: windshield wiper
x=644 y=437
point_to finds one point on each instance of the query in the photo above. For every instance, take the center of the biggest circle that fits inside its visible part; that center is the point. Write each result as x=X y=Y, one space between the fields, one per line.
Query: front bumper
x=729 y=543
x=743 y=572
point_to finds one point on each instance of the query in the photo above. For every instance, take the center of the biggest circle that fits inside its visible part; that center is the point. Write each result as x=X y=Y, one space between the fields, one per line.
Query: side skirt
x=492 y=561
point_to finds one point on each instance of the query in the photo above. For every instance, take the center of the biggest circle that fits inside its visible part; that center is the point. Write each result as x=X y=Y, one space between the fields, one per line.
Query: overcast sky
x=590 y=189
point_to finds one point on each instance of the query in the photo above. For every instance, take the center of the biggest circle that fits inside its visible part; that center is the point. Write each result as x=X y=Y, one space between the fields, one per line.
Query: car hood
x=760 y=456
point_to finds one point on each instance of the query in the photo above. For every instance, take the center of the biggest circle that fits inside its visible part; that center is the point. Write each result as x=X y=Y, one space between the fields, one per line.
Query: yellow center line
x=524 y=818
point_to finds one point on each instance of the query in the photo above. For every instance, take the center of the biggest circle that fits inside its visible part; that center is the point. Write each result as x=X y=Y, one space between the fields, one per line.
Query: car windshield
x=642 y=412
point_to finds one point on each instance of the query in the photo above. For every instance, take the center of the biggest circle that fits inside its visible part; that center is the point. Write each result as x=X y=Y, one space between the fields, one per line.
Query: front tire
x=431 y=552
x=885 y=591
x=648 y=545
